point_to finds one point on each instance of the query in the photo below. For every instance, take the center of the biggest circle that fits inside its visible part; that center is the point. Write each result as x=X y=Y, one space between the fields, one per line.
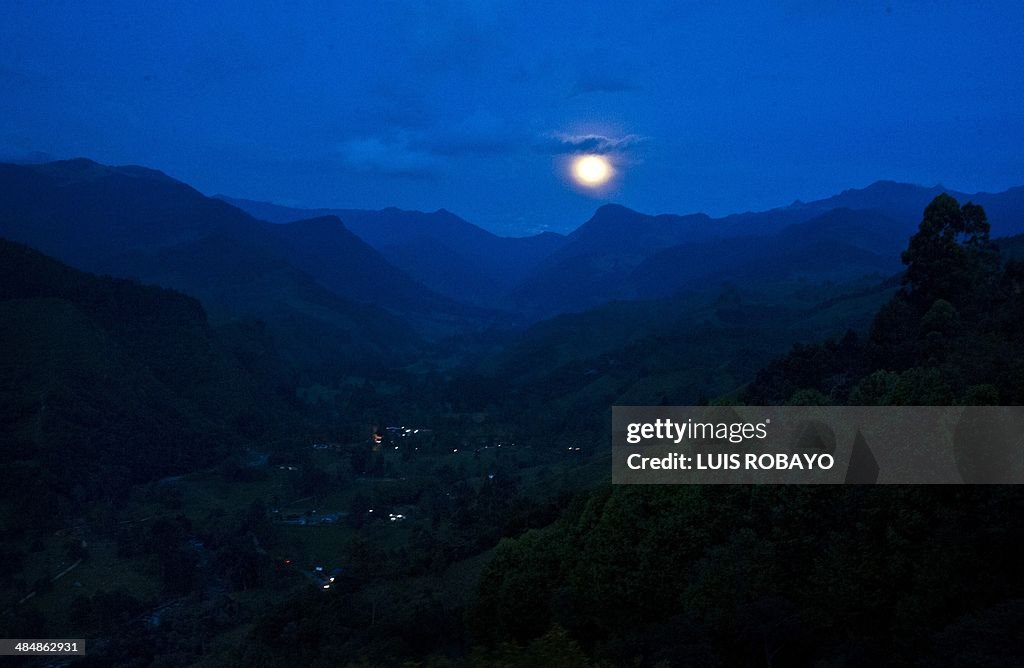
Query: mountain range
x=620 y=253
x=376 y=283
x=441 y=250
x=332 y=299
x=623 y=254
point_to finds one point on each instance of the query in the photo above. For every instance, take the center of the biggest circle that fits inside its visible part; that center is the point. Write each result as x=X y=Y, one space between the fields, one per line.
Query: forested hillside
x=108 y=383
x=952 y=335
x=805 y=575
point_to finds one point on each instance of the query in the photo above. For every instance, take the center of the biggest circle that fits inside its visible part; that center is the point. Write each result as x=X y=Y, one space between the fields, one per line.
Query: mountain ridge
x=596 y=263
x=315 y=284
x=441 y=268
x=466 y=262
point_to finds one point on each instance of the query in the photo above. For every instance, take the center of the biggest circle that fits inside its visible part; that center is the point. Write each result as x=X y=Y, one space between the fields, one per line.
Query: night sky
x=476 y=106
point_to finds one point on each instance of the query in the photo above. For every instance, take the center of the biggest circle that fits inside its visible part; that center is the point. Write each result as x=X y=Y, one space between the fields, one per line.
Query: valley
x=227 y=436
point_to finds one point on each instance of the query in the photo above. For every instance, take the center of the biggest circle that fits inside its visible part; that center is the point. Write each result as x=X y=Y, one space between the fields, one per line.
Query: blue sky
x=475 y=106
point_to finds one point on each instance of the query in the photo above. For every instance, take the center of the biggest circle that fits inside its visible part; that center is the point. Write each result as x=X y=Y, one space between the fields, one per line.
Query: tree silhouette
x=950 y=243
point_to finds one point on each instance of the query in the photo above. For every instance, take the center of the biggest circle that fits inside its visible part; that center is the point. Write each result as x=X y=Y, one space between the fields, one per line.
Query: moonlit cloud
x=561 y=143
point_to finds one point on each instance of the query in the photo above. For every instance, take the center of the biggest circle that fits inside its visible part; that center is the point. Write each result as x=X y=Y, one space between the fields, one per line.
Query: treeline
x=805 y=575
x=709 y=576
x=954 y=334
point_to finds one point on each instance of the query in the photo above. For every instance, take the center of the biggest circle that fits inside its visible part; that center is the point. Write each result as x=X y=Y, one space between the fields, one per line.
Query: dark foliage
x=107 y=383
x=953 y=334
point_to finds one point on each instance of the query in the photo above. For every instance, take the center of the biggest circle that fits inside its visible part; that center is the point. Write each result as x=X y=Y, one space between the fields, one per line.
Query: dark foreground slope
x=802 y=576
x=106 y=383
x=952 y=335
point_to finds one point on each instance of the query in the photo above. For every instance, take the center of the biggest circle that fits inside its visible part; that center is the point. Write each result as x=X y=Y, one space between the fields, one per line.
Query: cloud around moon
x=562 y=143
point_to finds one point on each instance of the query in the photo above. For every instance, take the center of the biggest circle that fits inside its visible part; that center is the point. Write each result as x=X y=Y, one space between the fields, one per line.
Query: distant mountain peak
x=84 y=169
x=611 y=209
x=80 y=163
x=890 y=186
x=617 y=213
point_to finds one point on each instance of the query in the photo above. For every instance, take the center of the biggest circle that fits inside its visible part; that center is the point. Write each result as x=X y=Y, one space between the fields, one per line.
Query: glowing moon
x=591 y=170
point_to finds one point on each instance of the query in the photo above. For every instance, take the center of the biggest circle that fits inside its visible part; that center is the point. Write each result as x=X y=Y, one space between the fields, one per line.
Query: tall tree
x=948 y=251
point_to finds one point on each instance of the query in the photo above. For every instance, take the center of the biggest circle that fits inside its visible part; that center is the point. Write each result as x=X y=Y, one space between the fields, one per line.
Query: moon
x=591 y=170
